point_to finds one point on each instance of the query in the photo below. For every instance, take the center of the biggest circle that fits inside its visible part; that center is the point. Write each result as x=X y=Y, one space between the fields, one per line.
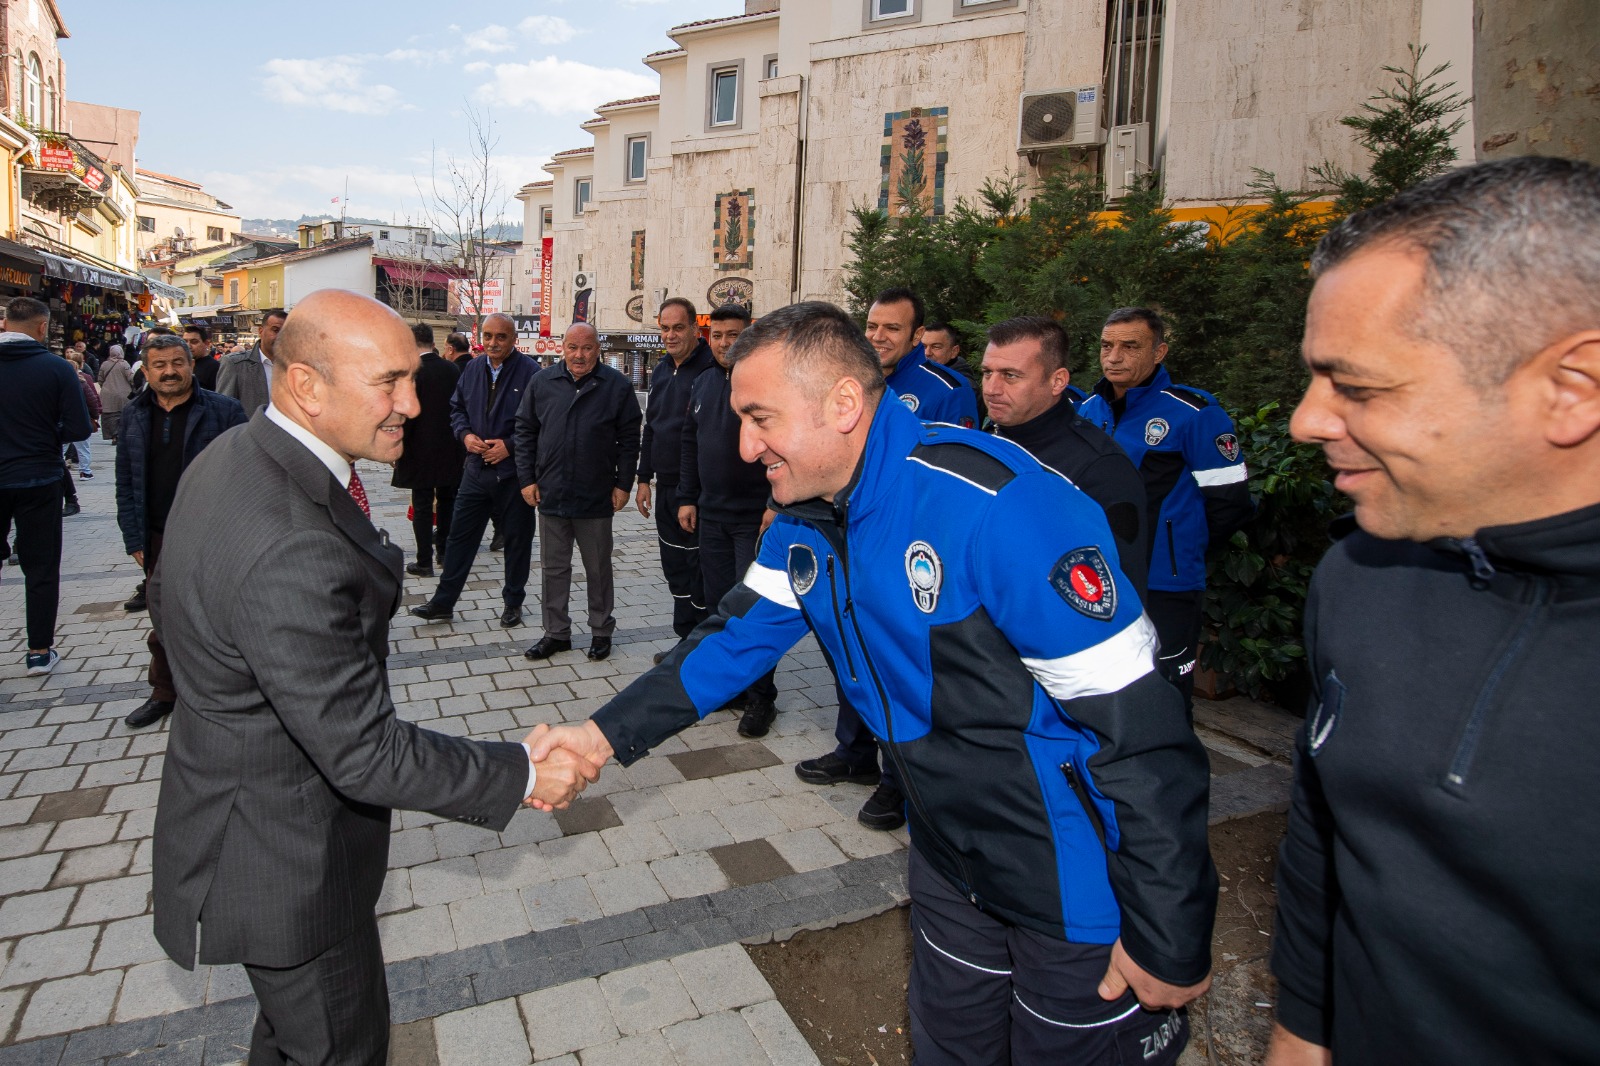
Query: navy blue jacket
x=212 y=415
x=971 y=605
x=1198 y=489
x=661 y=447
x=935 y=392
x=713 y=476
x=578 y=440
x=470 y=411
x=44 y=409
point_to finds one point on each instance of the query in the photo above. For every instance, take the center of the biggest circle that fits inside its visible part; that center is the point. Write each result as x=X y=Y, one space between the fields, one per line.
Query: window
x=35 y=87
x=233 y=291
x=582 y=190
x=147 y=224
x=975 y=7
x=724 y=108
x=547 y=220
x=383 y=235
x=213 y=233
x=638 y=151
x=1133 y=60
x=272 y=293
x=769 y=67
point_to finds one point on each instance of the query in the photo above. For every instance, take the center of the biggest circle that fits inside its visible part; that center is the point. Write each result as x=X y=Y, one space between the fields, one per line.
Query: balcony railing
x=63 y=175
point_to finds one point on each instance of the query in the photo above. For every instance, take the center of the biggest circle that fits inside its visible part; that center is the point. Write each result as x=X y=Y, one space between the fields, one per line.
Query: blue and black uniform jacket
x=973 y=608
x=936 y=393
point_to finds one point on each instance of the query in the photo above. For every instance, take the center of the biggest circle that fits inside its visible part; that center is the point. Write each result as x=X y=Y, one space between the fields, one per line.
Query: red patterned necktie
x=359 y=493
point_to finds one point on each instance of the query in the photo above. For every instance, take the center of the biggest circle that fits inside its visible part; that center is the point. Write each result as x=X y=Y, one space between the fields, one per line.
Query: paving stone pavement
x=604 y=934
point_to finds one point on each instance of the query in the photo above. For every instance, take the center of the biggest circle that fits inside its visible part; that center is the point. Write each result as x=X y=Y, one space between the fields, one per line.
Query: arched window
x=35 y=87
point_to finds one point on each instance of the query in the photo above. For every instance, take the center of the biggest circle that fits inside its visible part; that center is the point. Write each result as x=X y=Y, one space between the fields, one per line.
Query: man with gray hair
x=1437 y=885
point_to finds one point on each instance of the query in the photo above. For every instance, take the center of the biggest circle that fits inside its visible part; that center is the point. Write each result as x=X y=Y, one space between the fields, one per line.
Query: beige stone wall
x=679 y=252
x=617 y=214
x=1537 y=78
x=1263 y=84
x=777 y=172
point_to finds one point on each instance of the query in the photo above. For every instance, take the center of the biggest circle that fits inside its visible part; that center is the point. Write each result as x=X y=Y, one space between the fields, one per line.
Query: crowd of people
x=1012 y=618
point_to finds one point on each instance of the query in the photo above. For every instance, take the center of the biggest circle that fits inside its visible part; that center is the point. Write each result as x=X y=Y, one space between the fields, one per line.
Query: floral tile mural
x=636 y=261
x=915 y=150
x=733 y=239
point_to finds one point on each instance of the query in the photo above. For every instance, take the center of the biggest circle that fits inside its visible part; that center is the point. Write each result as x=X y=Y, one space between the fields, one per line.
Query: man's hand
x=530 y=495
x=583 y=739
x=1287 y=1049
x=561 y=775
x=138 y=557
x=688 y=514
x=767 y=518
x=495 y=451
x=474 y=443
x=1154 y=994
x=619 y=499
x=643 y=498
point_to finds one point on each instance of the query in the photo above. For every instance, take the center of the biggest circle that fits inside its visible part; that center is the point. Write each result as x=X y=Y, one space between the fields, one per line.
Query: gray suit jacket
x=242 y=376
x=273 y=598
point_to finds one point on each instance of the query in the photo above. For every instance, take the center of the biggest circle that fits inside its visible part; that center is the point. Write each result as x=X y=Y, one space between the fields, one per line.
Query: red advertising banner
x=55 y=157
x=547 y=258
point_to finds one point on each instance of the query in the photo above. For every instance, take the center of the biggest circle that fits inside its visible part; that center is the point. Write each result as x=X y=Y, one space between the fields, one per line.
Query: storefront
x=89 y=302
x=633 y=354
x=21 y=270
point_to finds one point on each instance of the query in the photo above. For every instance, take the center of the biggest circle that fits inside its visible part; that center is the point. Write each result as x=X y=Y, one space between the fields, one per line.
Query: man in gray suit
x=273 y=595
x=247 y=375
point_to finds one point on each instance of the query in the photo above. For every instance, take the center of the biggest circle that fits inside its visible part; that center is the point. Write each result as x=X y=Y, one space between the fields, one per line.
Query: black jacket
x=661 y=449
x=712 y=476
x=43 y=409
x=433 y=456
x=213 y=415
x=1087 y=456
x=471 y=411
x=1438 y=886
x=577 y=440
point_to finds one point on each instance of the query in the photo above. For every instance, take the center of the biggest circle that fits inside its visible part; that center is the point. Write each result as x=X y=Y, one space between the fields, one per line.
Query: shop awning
x=20 y=266
x=165 y=291
x=82 y=273
x=208 y=311
x=435 y=274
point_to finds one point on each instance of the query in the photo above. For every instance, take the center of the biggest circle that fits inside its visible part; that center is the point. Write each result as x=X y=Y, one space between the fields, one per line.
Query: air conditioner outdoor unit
x=1059 y=118
x=1127 y=158
x=582 y=280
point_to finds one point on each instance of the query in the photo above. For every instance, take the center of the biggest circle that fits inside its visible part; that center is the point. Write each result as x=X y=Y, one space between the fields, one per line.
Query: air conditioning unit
x=582 y=280
x=1127 y=158
x=1059 y=118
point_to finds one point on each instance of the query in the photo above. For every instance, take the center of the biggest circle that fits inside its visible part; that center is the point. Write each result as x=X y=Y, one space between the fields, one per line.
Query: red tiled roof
x=712 y=22
x=540 y=184
x=573 y=151
x=634 y=100
x=663 y=52
x=168 y=177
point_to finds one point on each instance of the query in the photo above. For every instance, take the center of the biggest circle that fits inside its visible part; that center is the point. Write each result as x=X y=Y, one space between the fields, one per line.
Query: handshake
x=567 y=759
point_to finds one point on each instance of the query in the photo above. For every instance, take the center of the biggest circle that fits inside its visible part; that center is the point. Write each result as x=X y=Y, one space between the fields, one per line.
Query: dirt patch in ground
x=845 y=988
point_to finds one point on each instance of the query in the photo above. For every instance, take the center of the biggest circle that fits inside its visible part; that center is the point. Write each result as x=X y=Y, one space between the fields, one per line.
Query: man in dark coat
x=206 y=367
x=431 y=464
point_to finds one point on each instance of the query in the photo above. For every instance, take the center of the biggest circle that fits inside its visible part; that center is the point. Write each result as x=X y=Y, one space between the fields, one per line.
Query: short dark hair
x=163 y=341
x=683 y=302
x=195 y=327
x=1048 y=332
x=1158 y=327
x=1513 y=257
x=422 y=333
x=159 y=331
x=731 y=313
x=273 y=312
x=899 y=294
x=933 y=325
x=818 y=337
x=459 y=342
x=26 y=309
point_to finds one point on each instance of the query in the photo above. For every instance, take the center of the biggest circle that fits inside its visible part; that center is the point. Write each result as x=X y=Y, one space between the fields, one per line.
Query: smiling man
x=1438 y=882
x=1062 y=892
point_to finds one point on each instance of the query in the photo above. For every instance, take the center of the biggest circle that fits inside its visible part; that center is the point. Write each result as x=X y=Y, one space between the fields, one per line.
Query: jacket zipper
x=838 y=620
x=1483 y=571
x=1172 y=549
x=1081 y=790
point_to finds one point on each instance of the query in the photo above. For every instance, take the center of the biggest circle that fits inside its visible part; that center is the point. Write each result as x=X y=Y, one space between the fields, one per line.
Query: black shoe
x=758 y=717
x=497 y=543
x=70 y=508
x=511 y=616
x=547 y=647
x=432 y=612
x=832 y=770
x=419 y=569
x=599 y=648
x=657 y=657
x=85 y=477
x=136 y=602
x=885 y=810
x=149 y=712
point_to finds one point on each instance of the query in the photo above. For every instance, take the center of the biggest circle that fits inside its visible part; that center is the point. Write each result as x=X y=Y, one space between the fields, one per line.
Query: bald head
x=499 y=336
x=330 y=326
x=580 y=347
x=583 y=330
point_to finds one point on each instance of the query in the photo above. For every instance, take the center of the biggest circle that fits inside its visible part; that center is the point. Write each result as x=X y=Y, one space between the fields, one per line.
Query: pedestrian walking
x=431 y=464
x=91 y=398
x=116 y=387
x=206 y=367
x=247 y=375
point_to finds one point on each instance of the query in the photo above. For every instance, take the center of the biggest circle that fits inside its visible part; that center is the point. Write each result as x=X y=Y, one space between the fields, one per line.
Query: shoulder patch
x=1188 y=396
x=1083 y=579
x=972 y=465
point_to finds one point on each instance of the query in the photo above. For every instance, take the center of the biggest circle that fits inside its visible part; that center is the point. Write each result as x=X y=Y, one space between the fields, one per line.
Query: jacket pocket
x=1081 y=790
x=1172 y=548
x=317 y=800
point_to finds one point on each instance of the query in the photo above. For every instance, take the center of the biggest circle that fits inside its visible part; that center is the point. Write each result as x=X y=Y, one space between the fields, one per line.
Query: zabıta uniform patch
x=910 y=400
x=1082 y=578
x=1155 y=431
x=926 y=574
x=1228 y=445
x=802 y=568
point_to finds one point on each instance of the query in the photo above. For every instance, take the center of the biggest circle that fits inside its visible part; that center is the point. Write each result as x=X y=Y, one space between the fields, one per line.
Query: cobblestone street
x=608 y=933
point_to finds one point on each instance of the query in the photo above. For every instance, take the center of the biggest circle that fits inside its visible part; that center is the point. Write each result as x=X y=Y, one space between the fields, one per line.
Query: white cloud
x=547 y=29
x=336 y=83
x=476 y=68
x=492 y=38
x=560 y=86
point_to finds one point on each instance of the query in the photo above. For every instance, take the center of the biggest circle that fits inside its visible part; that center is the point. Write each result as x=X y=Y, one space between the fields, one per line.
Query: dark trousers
x=593 y=538
x=987 y=993
x=857 y=745
x=726 y=551
x=160 y=672
x=1177 y=617
x=426 y=512
x=330 y=1011
x=35 y=516
x=680 y=562
x=481 y=495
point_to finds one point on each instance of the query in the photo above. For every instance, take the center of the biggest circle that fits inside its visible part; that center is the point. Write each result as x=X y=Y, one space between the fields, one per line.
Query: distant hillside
x=290 y=227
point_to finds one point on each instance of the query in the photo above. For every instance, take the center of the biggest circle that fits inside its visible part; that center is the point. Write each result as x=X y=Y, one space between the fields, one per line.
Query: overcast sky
x=273 y=107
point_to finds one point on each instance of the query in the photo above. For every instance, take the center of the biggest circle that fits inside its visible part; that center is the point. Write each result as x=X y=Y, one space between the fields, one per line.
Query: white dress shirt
x=340 y=469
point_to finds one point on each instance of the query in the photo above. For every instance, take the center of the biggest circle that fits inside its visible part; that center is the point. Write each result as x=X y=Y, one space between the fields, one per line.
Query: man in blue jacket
x=483 y=416
x=44 y=410
x=972 y=606
x=162 y=431
x=1198 y=490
